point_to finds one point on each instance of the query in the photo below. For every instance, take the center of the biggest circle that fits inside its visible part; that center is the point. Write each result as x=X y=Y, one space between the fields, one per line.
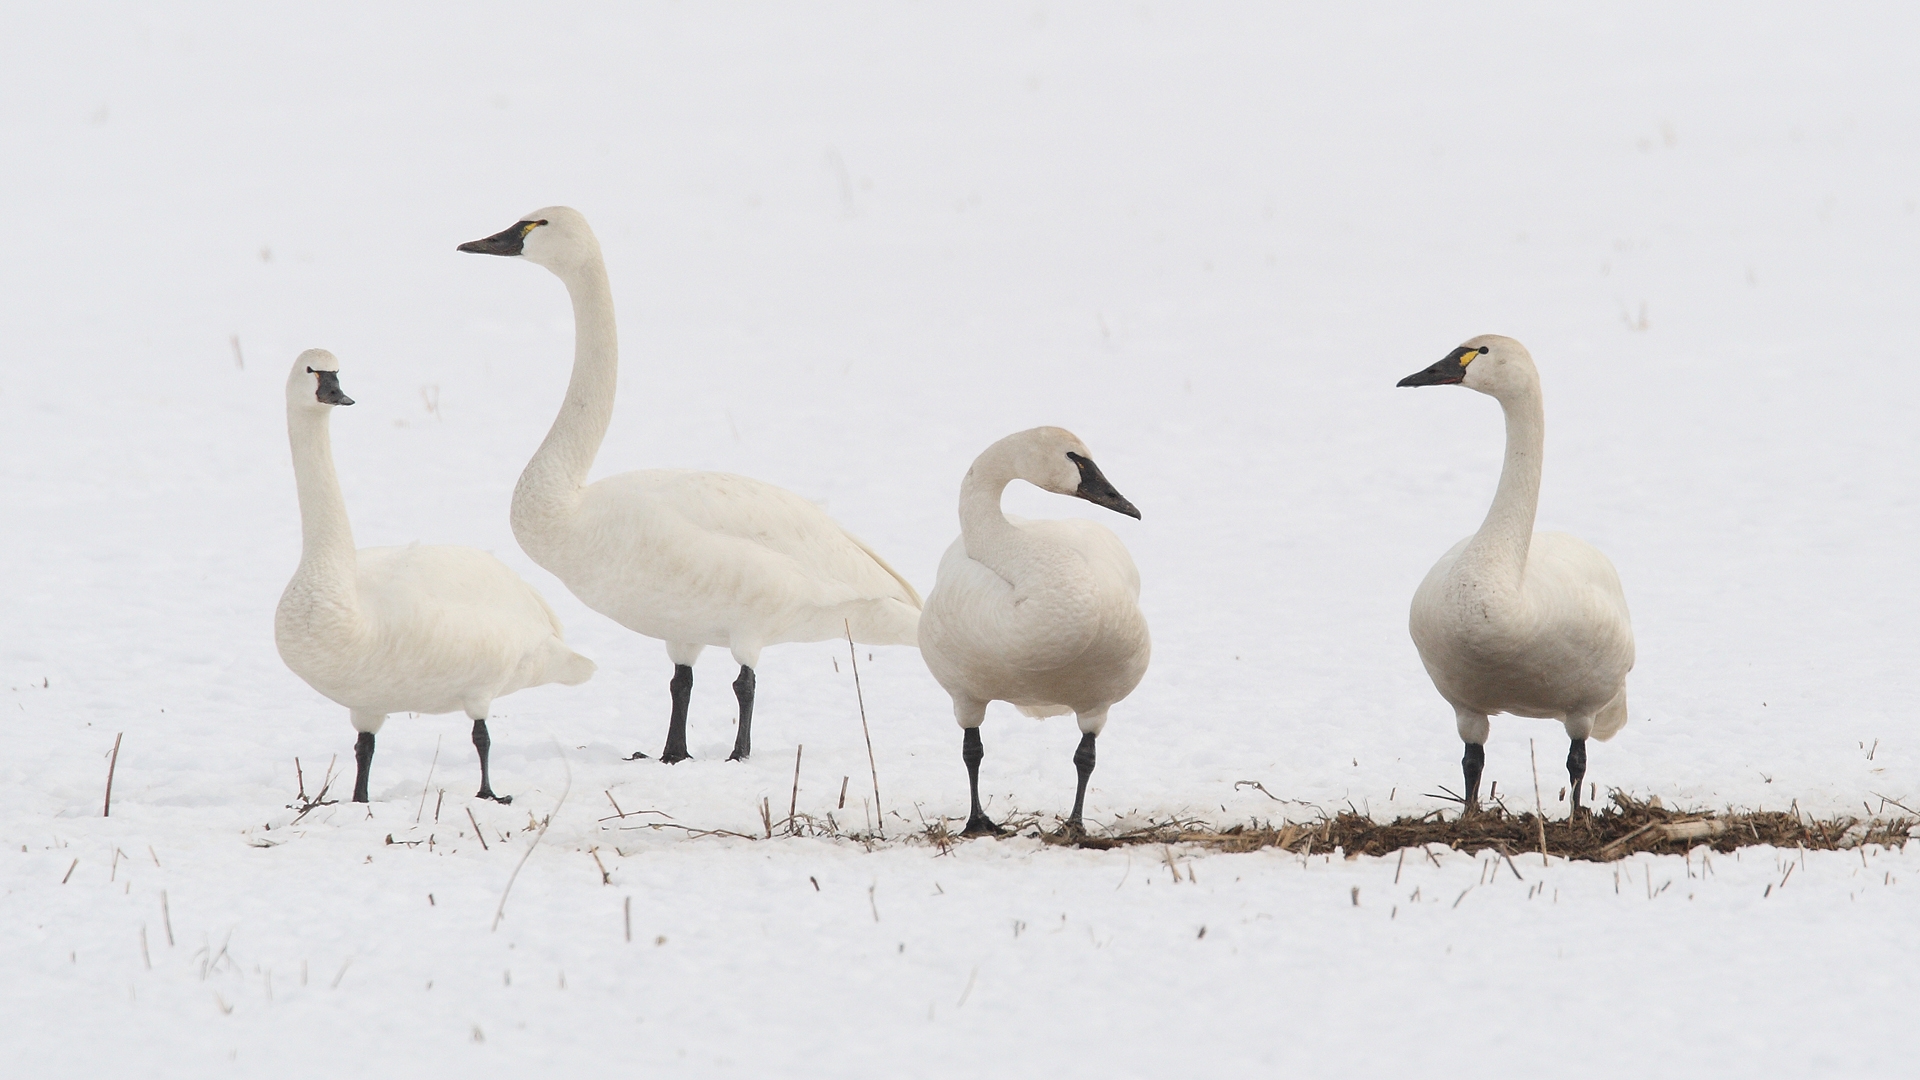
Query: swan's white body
x=1042 y=614
x=425 y=629
x=704 y=558
x=1557 y=647
x=691 y=558
x=1514 y=621
x=1050 y=623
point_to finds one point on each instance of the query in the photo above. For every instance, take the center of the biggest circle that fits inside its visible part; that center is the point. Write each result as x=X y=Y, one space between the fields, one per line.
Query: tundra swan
x=1516 y=621
x=401 y=629
x=1042 y=614
x=691 y=558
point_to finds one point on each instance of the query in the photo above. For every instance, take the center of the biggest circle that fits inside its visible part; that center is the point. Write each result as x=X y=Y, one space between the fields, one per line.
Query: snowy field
x=850 y=247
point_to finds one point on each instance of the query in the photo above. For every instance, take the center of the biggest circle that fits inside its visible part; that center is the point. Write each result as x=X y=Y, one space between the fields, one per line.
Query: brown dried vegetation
x=1627 y=826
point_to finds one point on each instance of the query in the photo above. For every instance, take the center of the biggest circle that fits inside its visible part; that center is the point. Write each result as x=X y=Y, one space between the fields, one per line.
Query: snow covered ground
x=851 y=246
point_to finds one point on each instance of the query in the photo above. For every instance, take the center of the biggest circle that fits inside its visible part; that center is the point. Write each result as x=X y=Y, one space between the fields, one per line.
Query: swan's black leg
x=363 y=758
x=682 y=689
x=971 y=752
x=1470 y=765
x=1083 y=763
x=483 y=743
x=1577 y=769
x=743 y=739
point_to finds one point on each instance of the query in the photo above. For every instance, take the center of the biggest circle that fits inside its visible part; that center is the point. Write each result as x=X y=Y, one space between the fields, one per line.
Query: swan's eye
x=528 y=226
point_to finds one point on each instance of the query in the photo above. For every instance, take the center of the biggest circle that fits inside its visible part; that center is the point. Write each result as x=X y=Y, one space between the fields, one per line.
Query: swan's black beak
x=1095 y=489
x=1451 y=370
x=329 y=392
x=505 y=242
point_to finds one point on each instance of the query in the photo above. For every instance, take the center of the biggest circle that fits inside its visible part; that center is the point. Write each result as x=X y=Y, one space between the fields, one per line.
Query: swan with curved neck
x=691 y=558
x=1044 y=615
x=401 y=629
x=1516 y=621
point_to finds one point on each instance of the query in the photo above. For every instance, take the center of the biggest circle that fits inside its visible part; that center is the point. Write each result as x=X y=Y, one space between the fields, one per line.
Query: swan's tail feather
x=569 y=668
x=1041 y=712
x=913 y=594
x=884 y=622
x=1611 y=718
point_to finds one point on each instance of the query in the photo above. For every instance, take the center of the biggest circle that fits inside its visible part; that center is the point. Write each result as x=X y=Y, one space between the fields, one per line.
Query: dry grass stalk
x=476 y=829
x=500 y=911
x=879 y=827
x=1539 y=808
x=793 y=800
x=422 y=810
x=106 y=807
x=304 y=804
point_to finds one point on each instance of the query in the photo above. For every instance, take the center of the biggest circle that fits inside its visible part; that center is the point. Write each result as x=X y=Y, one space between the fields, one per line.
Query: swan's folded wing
x=811 y=545
x=1580 y=586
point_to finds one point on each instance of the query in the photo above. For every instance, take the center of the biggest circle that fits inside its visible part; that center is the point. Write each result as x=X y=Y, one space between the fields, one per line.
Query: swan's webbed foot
x=681 y=687
x=638 y=755
x=1471 y=765
x=363 y=762
x=1576 y=771
x=980 y=825
x=743 y=691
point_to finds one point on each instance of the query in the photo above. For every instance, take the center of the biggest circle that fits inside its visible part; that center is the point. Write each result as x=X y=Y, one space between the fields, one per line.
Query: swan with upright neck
x=424 y=629
x=1044 y=615
x=1510 y=620
x=691 y=558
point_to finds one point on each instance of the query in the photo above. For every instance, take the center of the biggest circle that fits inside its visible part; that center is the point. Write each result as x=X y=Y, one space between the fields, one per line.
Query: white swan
x=1042 y=614
x=401 y=629
x=1515 y=621
x=691 y=558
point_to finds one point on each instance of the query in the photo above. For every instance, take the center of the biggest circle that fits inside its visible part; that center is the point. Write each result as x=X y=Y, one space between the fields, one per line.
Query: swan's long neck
x=992 y=540
x=327 y=561
x=1499 y=550
x=549 y=488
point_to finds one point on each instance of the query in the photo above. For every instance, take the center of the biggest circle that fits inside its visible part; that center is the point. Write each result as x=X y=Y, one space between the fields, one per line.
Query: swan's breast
x=1556 y=642
x=1061 y=628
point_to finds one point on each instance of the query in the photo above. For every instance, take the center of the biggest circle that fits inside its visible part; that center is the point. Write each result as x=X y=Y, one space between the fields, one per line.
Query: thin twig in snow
x=421 y=812
x=1538 y=807
x=501 y=910
x=793 y=800
x=106 y=808
x=476 y=829
x=879 y=825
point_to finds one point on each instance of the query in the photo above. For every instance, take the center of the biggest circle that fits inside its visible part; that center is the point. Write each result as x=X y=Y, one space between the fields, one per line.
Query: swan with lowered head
x=1516 y=621
x=691 y=558
x=1044 y=615
x=401 y=629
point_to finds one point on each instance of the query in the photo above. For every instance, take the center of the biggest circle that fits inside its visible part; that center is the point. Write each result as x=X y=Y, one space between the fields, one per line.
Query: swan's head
x=1055 y=459
x=315 y=382
x=1489 y=363
x=556 y=237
